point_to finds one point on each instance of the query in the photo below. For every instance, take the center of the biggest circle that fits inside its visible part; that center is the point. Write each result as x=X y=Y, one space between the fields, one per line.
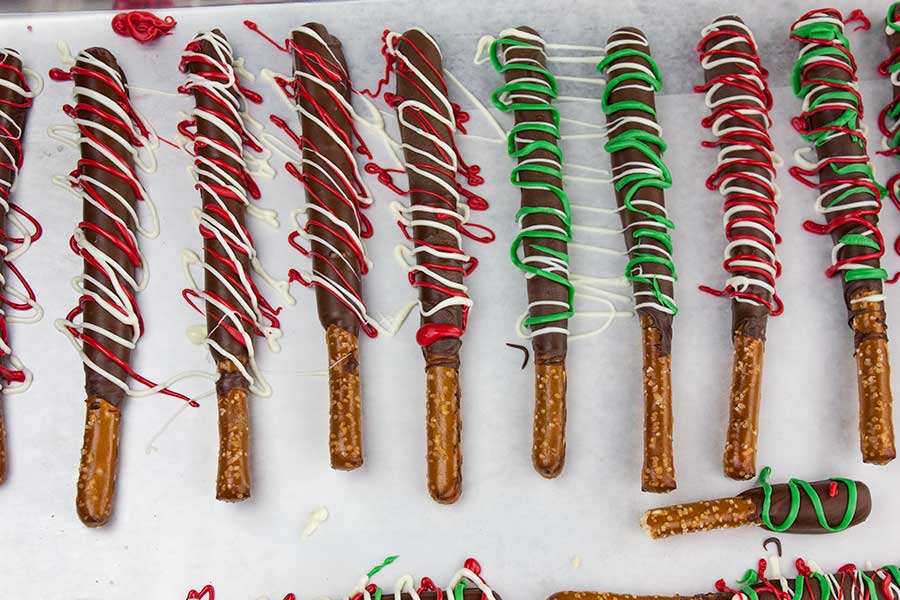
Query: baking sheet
x=168 y=534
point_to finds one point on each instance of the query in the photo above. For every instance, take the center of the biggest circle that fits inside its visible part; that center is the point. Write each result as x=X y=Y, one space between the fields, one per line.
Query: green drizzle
x=795 y=486
x=751 y=579
x=889 y=20
x=645 y=143
x=836 y=45
x=533 y=235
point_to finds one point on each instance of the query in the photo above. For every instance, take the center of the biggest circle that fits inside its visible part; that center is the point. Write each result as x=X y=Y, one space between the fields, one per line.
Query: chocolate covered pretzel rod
x=16 y=98
x=545 y=229
x=850 y=200
x=335 y=226
x=437 y=263
x=640 y=176
x=795 y=507
x=235 y=310
x=114 y=142
x=739 y=100
x=847 y=583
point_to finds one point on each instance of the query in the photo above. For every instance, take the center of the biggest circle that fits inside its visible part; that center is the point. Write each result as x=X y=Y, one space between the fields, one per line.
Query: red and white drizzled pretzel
x=227 y=189
x=18 y=96
x=741 y=124
x=315 y=169
x=440 y=165
x=116 y=290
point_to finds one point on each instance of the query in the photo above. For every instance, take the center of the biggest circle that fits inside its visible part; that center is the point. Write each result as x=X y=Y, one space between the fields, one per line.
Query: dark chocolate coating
x=747 y=319
x=443 y=352
x=331 y=310
x=549 y=348
x=211 y=245
x=662 y=320
x=844 y=145
x=807 y=522
x=97 y=385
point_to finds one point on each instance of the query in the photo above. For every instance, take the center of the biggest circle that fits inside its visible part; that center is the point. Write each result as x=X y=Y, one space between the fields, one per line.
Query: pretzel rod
x=850 y=200
x=640 y=176
x=235 y=310
x=847 y=583
x=335 y=226
x=795 y=507
x=438 y=266
x=739 y=100
x=889 y=117
x=16 y=97
x=114 y=141
x=545 y=229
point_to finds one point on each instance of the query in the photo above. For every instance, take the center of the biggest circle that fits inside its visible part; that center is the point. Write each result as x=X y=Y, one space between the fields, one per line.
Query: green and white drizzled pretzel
x=539 y=167
x=634 y=178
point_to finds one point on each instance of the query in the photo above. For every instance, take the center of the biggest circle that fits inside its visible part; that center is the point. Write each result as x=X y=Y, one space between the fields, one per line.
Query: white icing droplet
x=315 y=519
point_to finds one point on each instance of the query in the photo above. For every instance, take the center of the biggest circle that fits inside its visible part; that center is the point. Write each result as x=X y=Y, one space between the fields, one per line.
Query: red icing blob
x=142 y=26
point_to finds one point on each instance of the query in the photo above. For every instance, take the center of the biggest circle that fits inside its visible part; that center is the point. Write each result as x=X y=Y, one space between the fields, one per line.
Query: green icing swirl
x=836 y=45
x=642 y=141
x=532 y=236
x=795 y=486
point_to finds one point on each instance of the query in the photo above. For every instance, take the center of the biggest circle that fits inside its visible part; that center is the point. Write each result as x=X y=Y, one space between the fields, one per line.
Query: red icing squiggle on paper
x=142 y=26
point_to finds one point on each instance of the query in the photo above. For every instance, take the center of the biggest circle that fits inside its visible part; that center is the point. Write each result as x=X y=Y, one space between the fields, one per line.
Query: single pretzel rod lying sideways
x=826 y=506
x=545 y=229
x=640 y=176
x=739 y=100
x=850 y=200
x=235 y=309
x=812 y=583
x=335 y=226
x=114 y=141
x=16 y=98
x=434 y=222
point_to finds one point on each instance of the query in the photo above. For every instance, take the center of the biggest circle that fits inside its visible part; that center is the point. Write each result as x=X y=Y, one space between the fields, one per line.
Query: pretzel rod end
x=549 y=449
x=443 y=425
x=233 y=478
x=873 y=368
x=99 y=462
x=345 y=439
x=743 y=421
x=725 y=513
x=658 y=473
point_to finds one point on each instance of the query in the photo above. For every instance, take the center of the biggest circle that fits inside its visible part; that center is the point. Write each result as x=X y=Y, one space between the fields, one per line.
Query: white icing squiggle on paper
x=232 y=238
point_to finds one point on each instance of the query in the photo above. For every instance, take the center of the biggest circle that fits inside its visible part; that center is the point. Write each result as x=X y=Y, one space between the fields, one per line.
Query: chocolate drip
x=96 y=385
x=343 y=267
x=8 y=172
x=425 y=56
x=661 y=321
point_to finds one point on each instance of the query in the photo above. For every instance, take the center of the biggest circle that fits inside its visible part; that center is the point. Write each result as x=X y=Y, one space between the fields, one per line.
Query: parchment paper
x=168 y=533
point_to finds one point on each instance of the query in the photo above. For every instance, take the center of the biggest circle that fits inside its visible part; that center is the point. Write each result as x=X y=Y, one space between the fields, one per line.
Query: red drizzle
x=750 y=198
x=142 y=26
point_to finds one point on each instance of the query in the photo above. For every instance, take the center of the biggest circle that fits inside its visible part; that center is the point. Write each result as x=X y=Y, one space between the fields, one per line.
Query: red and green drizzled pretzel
x=889 y=117
x=824 y=77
